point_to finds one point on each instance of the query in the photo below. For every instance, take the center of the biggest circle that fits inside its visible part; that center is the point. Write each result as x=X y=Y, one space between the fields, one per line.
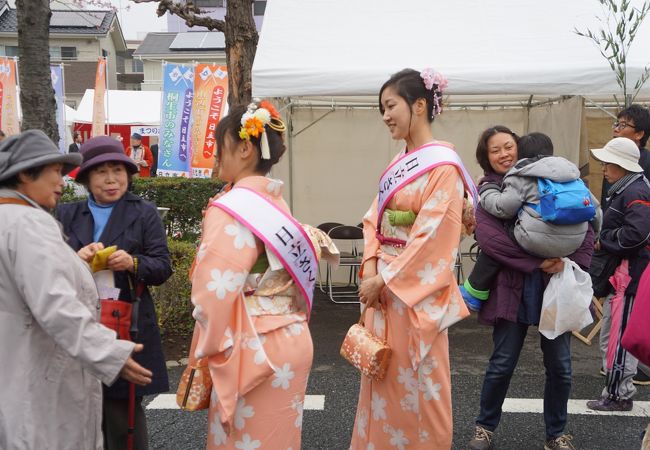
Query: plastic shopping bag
x=566 y=301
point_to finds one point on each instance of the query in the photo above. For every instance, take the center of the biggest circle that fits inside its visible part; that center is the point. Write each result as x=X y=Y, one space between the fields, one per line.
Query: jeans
x=508 y=338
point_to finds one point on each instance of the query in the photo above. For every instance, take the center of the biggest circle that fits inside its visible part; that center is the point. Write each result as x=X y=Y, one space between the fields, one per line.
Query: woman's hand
x=134 y=372
x=87 y=253
x=120 y=260
x=597 y=245
x=552 y=265
x=370 y=289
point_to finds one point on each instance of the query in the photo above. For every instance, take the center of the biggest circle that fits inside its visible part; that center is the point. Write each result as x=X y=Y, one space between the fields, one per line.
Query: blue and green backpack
x=564 y=203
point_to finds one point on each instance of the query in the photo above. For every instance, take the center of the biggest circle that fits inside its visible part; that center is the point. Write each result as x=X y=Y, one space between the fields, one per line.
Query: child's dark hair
x=409 y=85
x=231 y=124
x=534 y=144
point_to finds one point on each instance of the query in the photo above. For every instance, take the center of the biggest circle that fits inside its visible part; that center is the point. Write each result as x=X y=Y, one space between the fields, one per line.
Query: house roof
x=90 y=22
x=190 y=43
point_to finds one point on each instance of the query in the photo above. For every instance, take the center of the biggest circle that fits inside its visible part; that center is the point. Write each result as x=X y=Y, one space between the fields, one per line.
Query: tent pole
x=600 y=107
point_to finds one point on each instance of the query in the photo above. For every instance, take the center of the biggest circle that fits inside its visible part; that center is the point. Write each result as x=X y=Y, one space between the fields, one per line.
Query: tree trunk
x=241 y=43
x=36 y=93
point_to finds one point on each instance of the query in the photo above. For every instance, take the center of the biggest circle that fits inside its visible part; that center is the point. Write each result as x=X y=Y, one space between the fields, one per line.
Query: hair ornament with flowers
x=437 y=83
x=253 y=122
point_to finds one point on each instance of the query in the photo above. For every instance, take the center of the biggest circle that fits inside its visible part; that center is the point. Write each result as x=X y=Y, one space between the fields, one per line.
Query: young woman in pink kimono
x=251 y=318
x=408 y=279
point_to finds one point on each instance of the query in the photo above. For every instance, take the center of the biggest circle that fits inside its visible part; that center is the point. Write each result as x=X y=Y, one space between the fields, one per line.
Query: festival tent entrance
x=510 y=62
x=126 y=111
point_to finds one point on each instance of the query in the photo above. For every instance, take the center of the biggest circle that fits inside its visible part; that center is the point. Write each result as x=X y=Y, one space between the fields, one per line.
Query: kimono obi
x=396 y=225
x=271 y=294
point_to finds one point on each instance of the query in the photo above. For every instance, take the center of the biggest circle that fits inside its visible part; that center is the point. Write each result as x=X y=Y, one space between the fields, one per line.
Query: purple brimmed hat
x=101 y=149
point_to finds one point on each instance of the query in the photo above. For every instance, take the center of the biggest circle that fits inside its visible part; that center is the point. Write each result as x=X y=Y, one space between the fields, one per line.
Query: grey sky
x=140 y=19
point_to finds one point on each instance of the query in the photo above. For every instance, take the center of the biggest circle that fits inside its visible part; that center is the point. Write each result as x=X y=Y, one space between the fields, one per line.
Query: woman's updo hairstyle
x=482 y=146
x=412 y=85
x=232 y=126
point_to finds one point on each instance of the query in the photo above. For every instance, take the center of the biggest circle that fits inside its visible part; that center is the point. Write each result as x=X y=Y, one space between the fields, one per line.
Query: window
x=63 y=53
x=105 y=53
x=137 y=66
x=8 y=50
x=259 y=7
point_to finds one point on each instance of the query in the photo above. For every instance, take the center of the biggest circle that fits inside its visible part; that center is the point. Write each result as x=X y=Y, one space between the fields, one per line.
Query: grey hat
x=32 y=148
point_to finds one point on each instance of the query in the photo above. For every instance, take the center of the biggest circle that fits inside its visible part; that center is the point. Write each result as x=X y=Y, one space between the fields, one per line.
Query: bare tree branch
x=188 y=12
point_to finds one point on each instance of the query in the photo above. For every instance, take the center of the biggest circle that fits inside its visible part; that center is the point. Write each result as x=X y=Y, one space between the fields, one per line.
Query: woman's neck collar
x=92 y=201
x=417 y=140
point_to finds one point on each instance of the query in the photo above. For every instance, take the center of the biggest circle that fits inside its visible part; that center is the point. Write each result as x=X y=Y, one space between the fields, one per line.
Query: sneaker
x=482 y=439
x=641 y=379
x=473 y=303
x=602 y=372
x=559 y=443
x=608 y=404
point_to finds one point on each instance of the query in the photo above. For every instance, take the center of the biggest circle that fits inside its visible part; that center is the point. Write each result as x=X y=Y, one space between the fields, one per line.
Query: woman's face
x=502 y=152
x=47 y=188
x=613 y=172
x=397 y=113
x=108 y=182
x=227 y=165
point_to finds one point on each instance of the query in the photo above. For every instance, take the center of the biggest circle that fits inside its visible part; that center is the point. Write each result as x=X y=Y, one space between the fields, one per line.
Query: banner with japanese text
x=56 y=72
x=210 y=95
x=8 y=97
x=174 y=151
x=99 y=113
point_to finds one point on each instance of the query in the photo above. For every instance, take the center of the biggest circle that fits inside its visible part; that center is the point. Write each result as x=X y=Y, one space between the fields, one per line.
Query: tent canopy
x=483 y=47
x=123 y=107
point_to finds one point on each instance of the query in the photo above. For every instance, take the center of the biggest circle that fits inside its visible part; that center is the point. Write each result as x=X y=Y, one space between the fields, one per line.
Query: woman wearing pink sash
x=251 y=317
x=408 y=277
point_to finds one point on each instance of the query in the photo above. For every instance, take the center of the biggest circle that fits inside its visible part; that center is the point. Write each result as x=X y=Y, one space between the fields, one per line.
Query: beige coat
x=53 y=353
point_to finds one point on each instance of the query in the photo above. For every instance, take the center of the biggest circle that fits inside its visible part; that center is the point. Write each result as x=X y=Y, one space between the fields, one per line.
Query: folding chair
x=325 y=228
x=596 y=325
x=352 y=259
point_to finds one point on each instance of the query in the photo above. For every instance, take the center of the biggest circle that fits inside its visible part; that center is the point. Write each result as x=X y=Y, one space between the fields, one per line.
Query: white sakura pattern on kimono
x=424 y=350
x=243 y=236
x=298 y=405
x=460 y=187
x=362 y=423
x=419 y=184
x=452 y=315
x=200 y=253
x=229 y=338
x=283 y=376
x=214 y=398
x=431 y=390
x=428 y=306
x=429 y=229
x=388 y=274
x=397 y=437
x=218 y=433
x=377 y=407
x=199 y=315
x=370 y=446
x=398 y=305
x=439 y=196
x=424 y=436
x=294 y=329
x=428 y=274
x=256 y=343
x=247 y=443
x=242 y=412
x=229 y=281
x=378 y=323
x=274 y=187
x=407 y=378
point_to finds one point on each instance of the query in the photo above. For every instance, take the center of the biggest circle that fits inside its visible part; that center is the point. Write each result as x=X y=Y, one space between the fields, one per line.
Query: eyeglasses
x=621 y=125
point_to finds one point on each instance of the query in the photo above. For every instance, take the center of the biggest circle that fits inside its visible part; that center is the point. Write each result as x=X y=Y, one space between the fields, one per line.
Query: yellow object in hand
x=100 y=260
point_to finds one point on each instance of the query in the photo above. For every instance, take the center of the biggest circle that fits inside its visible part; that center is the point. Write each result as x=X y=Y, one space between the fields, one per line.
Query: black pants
x=484 y=272
x=115 y=424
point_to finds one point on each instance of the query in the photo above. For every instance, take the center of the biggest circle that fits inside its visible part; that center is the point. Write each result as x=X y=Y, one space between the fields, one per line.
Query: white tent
x=123 y=107
x=507 y=61
x=528 y=47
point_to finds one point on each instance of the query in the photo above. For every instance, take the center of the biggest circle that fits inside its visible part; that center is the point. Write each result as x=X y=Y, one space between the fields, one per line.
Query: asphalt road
x=470 y=344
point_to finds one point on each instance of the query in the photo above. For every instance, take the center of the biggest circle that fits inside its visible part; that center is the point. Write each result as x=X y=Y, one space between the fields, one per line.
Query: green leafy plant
x=614 y=39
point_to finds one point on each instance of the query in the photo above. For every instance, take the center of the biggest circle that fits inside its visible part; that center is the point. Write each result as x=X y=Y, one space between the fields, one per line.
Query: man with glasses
x=632 y=123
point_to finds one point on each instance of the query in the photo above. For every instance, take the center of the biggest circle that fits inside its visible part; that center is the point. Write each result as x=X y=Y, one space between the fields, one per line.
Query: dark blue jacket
x=135 y=227
x=626 y=228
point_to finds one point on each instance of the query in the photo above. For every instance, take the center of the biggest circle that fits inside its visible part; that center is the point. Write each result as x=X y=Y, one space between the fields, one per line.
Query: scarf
x=623 y=183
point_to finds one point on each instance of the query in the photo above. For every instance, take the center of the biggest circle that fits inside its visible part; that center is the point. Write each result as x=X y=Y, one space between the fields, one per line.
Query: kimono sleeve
x=227 y=253
x=371 y=244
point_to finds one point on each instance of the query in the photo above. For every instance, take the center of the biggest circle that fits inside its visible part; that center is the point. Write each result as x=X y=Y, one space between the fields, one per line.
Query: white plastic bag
x=566 y=301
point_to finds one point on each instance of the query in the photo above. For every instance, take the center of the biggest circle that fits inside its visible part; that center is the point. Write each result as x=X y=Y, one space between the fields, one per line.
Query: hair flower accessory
x=437 y=83
x=258 y=115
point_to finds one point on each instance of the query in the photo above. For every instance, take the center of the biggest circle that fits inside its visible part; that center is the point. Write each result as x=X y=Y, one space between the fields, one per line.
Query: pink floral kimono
x=253 y=329
x=411 y=407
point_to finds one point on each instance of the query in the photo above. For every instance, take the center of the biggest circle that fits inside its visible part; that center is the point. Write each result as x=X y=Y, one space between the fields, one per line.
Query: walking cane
x=134 y=335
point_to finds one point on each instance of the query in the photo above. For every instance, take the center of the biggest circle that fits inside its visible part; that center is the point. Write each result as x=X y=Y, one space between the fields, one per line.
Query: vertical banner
x=8 y=97
x=175 y=120
x=56 y=72
x=99 y=113
x=210 y=94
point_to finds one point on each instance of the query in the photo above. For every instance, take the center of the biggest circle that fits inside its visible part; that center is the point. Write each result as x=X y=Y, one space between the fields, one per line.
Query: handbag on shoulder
x=195 y=385
x=603 y=265
x=365 y=351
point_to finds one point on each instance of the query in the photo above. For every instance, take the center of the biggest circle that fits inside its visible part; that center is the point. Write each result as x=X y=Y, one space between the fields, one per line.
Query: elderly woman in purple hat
x=113 y=216
x=54 y=351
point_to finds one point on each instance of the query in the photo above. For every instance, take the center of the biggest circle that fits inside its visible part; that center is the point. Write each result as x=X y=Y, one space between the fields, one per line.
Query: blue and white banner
x=56 y=72
x=174 y=153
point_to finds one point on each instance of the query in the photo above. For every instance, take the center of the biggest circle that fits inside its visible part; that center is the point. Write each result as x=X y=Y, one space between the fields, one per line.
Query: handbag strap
x=362 y=318
x=14 y=201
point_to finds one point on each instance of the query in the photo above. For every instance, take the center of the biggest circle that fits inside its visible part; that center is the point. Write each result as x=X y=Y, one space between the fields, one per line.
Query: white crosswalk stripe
x=536 y=405
x=168 y=401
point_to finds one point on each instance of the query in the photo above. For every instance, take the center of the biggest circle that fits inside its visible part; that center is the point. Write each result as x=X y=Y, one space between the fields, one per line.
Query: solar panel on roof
x=198 y=40
x=76 y=19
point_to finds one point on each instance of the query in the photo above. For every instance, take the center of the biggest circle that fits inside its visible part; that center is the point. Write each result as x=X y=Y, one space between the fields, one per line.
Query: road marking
x=536 y=405
x=168 y=401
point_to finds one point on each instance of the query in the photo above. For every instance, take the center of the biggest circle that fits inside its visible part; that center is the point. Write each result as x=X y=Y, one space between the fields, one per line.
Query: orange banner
x=99 y=113
x=8 y=97
x=210 y=95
